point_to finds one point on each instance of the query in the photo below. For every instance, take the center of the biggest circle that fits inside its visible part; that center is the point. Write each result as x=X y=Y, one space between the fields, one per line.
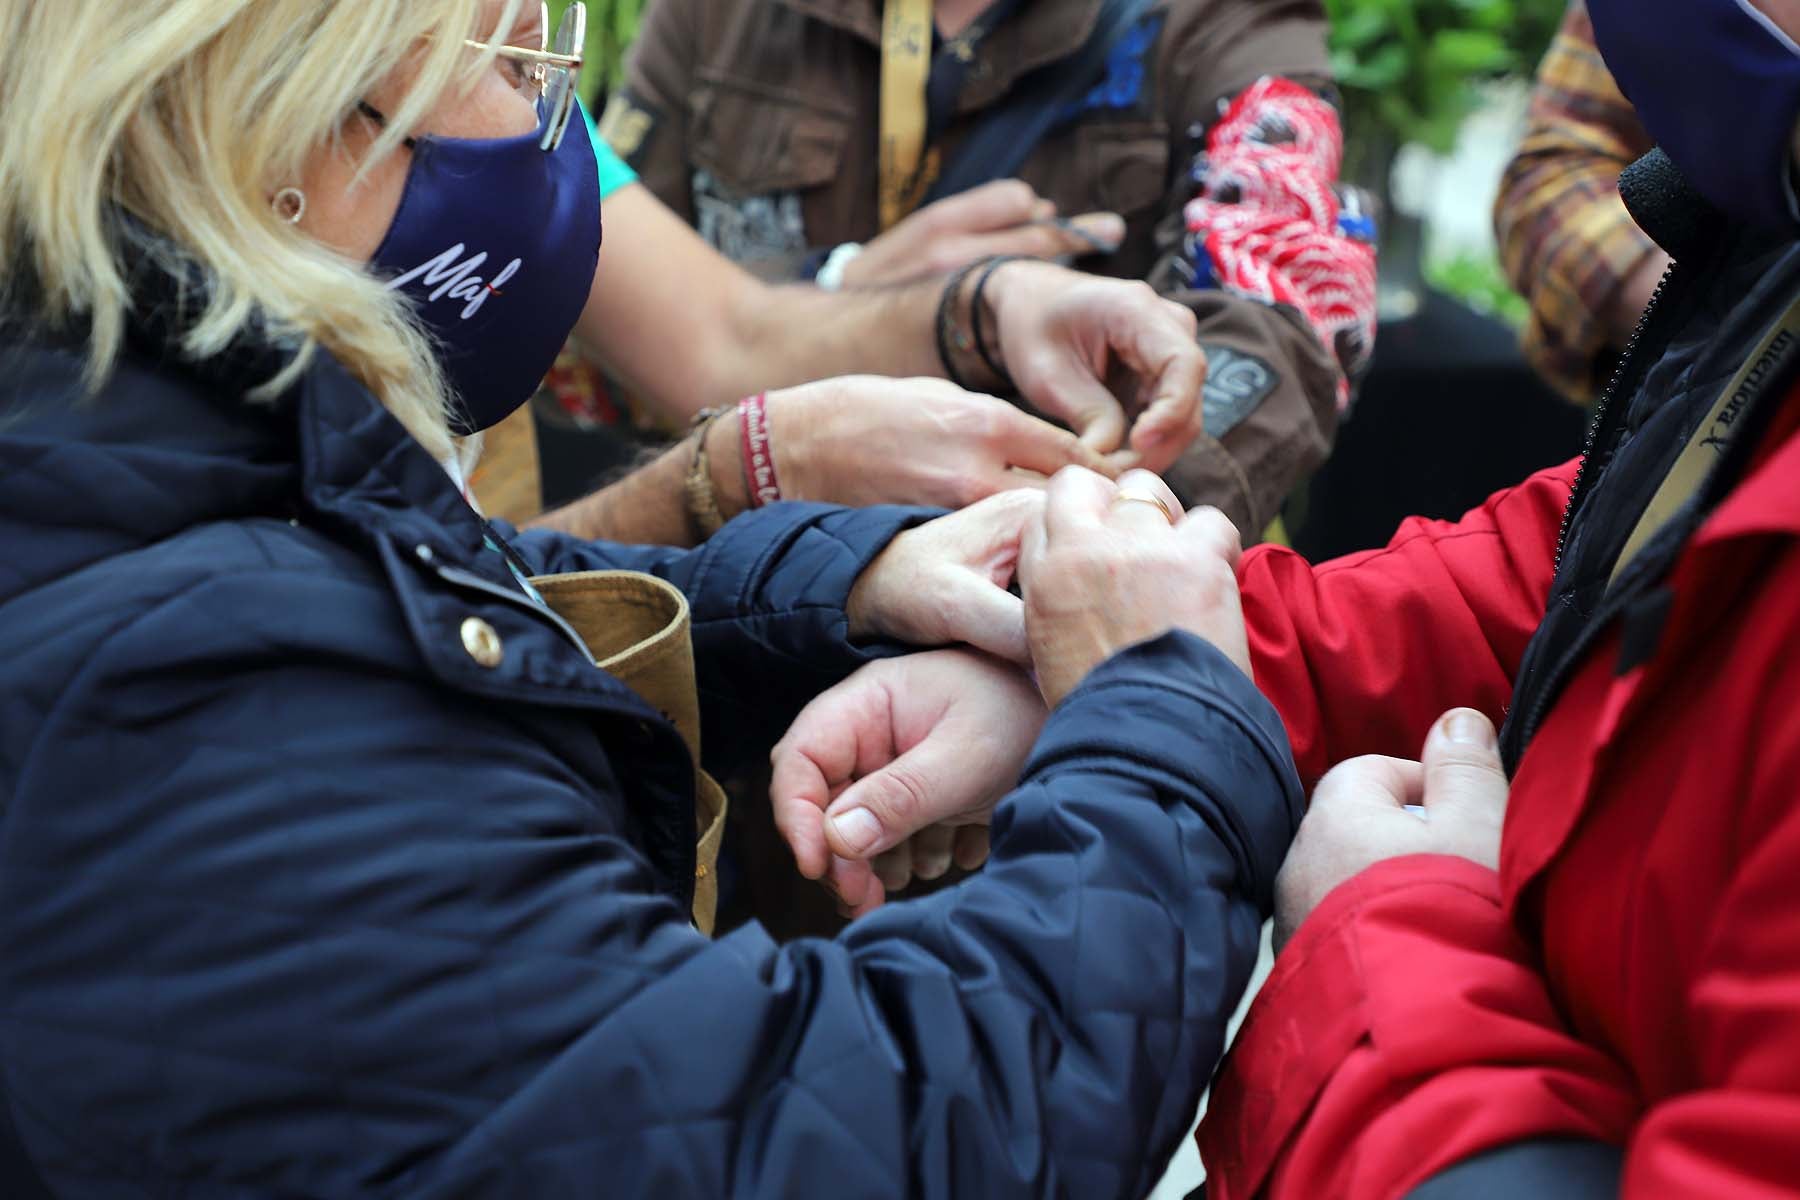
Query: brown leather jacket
x=756 y=120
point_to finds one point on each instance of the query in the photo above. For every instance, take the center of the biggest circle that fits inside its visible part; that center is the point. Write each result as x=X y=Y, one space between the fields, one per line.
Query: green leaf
x=1470 y=52
x=1360 y=27
x=1382 y=69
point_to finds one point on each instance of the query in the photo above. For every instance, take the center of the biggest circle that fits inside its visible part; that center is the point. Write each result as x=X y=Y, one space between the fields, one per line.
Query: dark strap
x=1559 y=1167
x=1007 y=134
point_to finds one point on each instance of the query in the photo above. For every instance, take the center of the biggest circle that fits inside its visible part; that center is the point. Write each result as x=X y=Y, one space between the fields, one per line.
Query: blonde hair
x=189 y=115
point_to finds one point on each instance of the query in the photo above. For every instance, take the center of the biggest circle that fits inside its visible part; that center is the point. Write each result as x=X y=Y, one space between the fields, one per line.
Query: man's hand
x=1110 y=565
x=1102 y=355
x=867 y=440
x=1002 y=217
x=894 y=772
x=1359 y=814
x=946 y=582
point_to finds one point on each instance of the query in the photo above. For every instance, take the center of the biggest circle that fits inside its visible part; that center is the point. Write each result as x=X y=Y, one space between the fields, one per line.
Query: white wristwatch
x=831 y=275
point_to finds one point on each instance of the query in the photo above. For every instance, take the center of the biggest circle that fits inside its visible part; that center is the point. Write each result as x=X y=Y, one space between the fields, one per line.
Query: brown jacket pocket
x=758 y=140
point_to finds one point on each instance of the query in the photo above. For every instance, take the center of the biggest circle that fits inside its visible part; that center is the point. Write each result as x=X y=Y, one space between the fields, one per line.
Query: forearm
x=1351 y=652
x=1353 y=1075
x=650 y=506
x=687 y=329
x=800 y=333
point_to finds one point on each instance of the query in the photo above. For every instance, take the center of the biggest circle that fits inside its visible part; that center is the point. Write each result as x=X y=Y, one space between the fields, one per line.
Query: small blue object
x=1357 y=226
x=1200 y=260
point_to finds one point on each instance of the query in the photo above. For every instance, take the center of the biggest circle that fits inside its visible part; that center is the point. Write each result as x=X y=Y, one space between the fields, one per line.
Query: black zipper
x=1640 y=355
x=1628 y=364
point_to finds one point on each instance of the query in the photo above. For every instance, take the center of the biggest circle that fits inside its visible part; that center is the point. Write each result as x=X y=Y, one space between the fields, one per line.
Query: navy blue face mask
x=495 y=244
x=1717 y=84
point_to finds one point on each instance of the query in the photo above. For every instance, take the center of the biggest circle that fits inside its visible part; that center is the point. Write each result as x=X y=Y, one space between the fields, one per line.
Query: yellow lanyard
x=1708 y=442
x=906 y=172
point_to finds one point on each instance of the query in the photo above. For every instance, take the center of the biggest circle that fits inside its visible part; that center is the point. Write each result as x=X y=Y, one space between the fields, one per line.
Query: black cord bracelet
x=998 y=368
x=946 y=324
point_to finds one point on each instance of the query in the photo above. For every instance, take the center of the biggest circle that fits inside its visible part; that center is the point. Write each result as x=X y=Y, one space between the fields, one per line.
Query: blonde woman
x=333 y=860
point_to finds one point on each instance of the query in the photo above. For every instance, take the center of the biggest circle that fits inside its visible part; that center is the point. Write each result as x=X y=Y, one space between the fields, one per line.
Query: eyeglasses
x=548 y=73
x=545 y=75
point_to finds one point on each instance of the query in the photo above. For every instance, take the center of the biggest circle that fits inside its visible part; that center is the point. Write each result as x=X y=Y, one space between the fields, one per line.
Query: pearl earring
x=290 y=204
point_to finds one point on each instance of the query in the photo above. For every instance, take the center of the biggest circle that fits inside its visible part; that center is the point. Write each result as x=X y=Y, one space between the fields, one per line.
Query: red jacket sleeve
x=1361 y=654
x=1403 y=1030
x=1407 y=1029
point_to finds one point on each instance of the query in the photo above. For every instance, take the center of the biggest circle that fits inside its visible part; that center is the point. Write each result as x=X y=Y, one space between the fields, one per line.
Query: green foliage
x=1406 y=66
x=611 y=26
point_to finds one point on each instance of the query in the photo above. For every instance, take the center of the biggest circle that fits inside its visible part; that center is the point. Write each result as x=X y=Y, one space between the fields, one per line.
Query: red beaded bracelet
x=759 y=456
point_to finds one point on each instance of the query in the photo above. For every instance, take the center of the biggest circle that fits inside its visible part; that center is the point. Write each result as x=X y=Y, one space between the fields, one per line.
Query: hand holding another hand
x=1110 y=565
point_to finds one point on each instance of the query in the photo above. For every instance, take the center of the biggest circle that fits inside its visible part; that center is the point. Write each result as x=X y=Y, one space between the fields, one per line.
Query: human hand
x=868 y=440
x=1105 y=568
x=1359 y=816
x=1075 y=344
x=945 y=582
x=1002 y=217
x=895 y=772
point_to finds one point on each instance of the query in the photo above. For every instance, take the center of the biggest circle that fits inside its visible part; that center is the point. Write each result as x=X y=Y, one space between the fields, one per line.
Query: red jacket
x=1631 y=974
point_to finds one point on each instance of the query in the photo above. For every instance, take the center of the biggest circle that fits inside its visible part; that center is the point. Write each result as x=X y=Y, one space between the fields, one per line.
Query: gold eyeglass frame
x=570 y=31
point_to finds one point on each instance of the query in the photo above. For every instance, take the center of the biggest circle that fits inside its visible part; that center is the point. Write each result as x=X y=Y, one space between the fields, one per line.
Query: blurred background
x=1435 y=95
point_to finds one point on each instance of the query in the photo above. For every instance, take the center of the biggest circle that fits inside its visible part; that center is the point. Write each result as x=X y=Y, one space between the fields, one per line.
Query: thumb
x=985 y=615
x=1083 y=403
x=1462 y=767
x=878 y=812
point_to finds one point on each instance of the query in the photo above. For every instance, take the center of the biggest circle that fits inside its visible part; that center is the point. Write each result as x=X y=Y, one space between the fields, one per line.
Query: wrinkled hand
x=894 y=772
x=1101 y=573
x=869 y=440
x=945 y=582
x=1002 y=217
x=1100 y=355
x=1358 y=815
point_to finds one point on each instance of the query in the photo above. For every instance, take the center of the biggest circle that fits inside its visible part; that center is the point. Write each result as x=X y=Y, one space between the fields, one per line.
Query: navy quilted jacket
x=298 y=899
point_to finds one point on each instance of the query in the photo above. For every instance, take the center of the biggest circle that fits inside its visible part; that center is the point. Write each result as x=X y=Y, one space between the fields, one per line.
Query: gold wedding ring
x=1144 y=496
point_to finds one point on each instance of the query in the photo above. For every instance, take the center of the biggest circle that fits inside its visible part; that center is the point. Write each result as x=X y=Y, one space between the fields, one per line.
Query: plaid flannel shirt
x=1566 y=241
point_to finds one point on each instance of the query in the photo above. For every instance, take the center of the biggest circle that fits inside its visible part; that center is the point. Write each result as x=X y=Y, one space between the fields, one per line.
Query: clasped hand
x=895 y=771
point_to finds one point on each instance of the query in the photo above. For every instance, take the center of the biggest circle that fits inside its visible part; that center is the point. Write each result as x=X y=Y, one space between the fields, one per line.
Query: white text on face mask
x=458 y=280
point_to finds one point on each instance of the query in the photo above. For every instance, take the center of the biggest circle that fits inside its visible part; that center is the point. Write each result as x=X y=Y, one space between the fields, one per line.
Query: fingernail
x=857 y=829
x=1469 y=728
x=1109 y=229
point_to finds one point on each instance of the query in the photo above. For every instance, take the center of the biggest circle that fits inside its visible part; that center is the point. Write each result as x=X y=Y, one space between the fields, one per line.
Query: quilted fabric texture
x=298 y=898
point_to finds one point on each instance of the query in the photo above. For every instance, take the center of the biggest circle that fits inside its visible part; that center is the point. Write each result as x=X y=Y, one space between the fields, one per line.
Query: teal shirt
x=614 y=174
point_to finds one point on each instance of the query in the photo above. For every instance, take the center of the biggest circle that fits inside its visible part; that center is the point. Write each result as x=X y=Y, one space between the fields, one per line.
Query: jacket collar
x=168 y=445
x=1040 y=33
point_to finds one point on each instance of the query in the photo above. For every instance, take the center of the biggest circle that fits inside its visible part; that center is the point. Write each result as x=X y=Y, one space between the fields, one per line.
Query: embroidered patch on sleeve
x=1236 y=384
x=1273 y=223
x=628 y=125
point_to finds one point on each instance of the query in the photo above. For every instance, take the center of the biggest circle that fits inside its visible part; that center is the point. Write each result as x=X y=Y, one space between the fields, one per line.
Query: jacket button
x=482 y=643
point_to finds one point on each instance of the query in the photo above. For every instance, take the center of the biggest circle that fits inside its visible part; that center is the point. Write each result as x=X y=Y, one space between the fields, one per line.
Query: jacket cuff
x=800 y=560
x=1404 y=1029
x=1178 y=713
